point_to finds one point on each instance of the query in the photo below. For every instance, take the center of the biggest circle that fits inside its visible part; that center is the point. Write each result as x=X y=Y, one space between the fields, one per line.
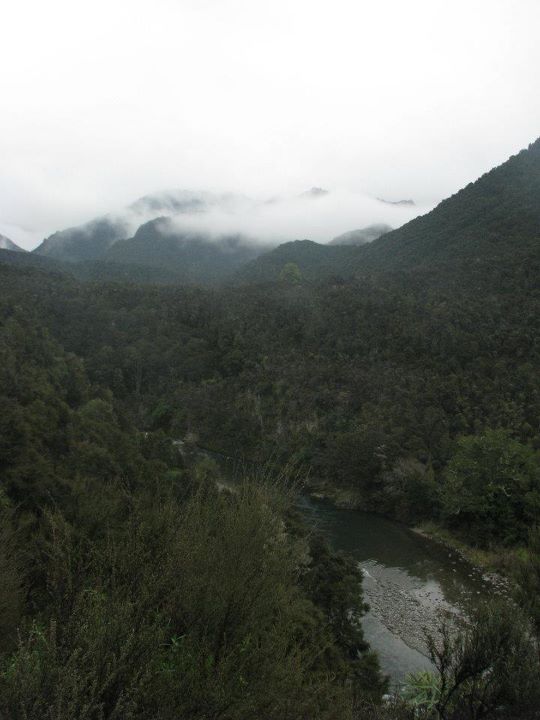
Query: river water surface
x=410 y=582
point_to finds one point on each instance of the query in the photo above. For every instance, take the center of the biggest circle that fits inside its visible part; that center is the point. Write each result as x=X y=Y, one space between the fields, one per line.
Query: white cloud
x=292 y=218
x=103 y=102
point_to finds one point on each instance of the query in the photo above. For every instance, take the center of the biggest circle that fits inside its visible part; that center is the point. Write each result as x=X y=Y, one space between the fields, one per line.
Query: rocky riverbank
x=486 y=563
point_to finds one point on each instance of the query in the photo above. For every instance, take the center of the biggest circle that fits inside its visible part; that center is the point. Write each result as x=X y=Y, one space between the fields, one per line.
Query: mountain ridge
x=484 y=230
x=7 y=244
x=500 y=208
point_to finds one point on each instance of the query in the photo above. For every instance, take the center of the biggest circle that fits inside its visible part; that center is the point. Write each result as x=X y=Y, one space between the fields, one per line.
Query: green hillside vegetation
x=85 y=242
x=362 y=235
x=369 y=386
x=383 y=415
x=31 y=260
x=131 y=588
x=314 y=260
x=412 y=387
x=191 y=256
x=479 y=238
x=493 y=224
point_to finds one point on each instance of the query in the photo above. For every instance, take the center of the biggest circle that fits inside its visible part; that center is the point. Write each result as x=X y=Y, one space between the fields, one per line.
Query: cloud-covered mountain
x=490 y=227
x=193 y=256
x=84 y=242
x=94 y=239
x=361 y=236
x=7 y=244
x=485 y=232
x=399 y=203
x=204 y=236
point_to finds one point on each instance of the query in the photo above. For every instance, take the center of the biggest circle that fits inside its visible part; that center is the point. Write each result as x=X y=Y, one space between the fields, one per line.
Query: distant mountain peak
x=399 y=203
x=315 y=192
x=7 y=244
x=84 y=242
x=174 y=201
x=179 y=202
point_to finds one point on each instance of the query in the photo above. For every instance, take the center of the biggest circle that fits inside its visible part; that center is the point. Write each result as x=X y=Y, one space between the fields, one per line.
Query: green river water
x=410 y=582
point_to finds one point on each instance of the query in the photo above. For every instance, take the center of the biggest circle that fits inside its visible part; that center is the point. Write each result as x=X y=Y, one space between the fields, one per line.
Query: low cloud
x=389 y=99
x=266 y=219
x=280 y=219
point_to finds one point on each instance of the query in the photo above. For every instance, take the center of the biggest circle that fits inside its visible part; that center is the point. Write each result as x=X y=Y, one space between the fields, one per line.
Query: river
x=410 y=582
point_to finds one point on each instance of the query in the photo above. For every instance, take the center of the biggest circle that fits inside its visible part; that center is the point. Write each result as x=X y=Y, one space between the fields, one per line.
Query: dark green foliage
x=490 y=227
x=334 y=582
x=176 y=608
x=314 y=261
x=131 y=588
x=527 y=575
x=490 y=669
x=492 y=488
x=369 y=386
x=11 y=575
x=33 y=260
x=139 y=591
x=290 y=273
x=485 y=237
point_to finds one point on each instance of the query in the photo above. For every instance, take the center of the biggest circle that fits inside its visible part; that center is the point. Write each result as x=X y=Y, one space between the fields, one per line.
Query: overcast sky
x=104 y=101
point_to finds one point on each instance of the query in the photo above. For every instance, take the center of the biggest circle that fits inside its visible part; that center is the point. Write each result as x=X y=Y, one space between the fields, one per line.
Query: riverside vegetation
x=131 y=587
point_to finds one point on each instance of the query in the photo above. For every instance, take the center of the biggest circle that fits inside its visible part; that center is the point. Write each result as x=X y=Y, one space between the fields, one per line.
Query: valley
x=402 y=372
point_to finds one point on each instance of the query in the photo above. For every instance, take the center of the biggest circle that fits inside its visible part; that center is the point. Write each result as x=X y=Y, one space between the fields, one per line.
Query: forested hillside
x=492 y=223
x=132 y=587
x=363 y=384
x=191 y=257
x=478 y=238
x=313 y=260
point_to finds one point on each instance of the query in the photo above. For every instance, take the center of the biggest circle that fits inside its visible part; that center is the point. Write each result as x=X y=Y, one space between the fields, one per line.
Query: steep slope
x=486 y=235
x=7 y=244
x=84 y=242
x=92 y=240
x=495 y=220
x=488 y=228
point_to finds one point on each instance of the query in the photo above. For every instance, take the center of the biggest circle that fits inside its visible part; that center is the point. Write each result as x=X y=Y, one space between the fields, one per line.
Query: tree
x=492 y=487
x=488 y=669
x=290 y=273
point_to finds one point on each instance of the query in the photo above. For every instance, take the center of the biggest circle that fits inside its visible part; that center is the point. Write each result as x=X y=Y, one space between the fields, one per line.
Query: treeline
x=371 y=386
